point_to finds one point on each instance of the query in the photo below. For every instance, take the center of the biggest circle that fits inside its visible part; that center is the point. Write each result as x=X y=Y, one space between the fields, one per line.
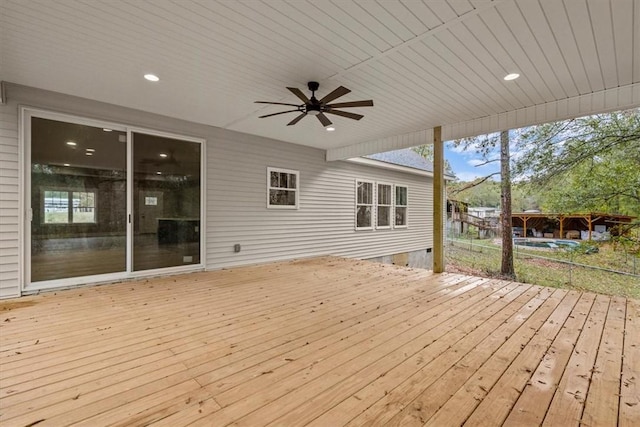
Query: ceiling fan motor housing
x=313 y=108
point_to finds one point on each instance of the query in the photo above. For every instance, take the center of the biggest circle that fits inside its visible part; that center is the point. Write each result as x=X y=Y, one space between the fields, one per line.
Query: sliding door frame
x=131 y=208
x=25 y=115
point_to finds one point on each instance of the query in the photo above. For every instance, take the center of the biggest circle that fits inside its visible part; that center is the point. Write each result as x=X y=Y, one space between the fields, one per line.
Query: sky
x=465 y=163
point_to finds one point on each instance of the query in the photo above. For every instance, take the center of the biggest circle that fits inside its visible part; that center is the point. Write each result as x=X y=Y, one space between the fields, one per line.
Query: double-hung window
x=401 y=203
x=282 y=188
x=364 y=205
x=385 y=204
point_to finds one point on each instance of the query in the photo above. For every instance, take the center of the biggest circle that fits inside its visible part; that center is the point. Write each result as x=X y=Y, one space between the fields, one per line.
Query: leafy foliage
x=589 y=164
x=487 y=194
x=586 y=164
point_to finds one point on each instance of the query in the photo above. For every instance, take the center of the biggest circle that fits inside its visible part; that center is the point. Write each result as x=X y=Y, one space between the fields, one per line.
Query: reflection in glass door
x=78 y=200
x=166 y=201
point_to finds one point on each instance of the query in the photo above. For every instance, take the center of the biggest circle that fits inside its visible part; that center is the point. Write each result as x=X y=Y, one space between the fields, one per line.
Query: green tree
x=486 y=146
x=506 y=268
x=586 y=164
x=475 y=193
x=487 y=193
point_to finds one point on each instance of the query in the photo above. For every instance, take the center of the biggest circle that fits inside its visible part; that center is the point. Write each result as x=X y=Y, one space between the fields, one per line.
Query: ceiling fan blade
x=275 y=114
x=296 y=120
x=324 y=120
x=336 y=93
x=367 y=103
x=297 y=92
x=345 y=114
x=276 y=103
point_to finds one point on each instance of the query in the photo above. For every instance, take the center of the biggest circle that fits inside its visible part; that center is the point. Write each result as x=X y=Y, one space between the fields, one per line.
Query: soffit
x=424 y=63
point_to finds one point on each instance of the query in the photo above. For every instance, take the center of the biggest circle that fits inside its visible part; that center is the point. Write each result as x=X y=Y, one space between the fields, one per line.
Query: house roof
x=424 y=64
x=405 y=157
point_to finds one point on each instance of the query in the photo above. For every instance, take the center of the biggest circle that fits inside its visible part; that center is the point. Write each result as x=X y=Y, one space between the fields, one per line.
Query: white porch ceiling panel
x=424 y=63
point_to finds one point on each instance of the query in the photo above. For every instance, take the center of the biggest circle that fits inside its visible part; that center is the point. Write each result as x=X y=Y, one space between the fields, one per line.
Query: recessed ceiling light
x=511 y=76
x=66 y=164
x=158 y=173
x=88 y=153
x=163 y=155
x=71 y=143
x=330 y=128
x=106 y=129
x=91 y=150
x=152 y=77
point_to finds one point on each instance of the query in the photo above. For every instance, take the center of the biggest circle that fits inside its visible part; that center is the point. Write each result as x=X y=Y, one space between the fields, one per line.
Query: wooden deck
x=322 y=342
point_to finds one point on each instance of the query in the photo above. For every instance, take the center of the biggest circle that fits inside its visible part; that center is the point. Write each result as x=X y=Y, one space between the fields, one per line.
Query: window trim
x=295 y=190
x=390 y=205
x=70 y=212
x=395 y=205
x=372 y=204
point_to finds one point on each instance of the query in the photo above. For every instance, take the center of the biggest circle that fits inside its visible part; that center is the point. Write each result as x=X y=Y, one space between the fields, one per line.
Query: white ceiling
x=424 y=63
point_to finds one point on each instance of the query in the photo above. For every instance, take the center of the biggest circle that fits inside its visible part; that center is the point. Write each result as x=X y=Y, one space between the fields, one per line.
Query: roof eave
x=392 y=166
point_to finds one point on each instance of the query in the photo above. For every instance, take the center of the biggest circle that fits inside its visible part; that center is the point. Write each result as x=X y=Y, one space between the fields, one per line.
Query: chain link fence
x=608 y=271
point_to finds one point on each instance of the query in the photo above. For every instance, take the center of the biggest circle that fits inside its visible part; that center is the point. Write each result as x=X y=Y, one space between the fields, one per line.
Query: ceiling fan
x=319 y=108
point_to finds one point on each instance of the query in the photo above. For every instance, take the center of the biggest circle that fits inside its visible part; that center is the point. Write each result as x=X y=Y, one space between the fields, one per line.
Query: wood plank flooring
x=322 y=342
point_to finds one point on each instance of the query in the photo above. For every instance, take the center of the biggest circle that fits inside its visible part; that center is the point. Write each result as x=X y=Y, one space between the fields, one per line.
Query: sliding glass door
x=103 y=207
x=166 y=196
x=78 y=200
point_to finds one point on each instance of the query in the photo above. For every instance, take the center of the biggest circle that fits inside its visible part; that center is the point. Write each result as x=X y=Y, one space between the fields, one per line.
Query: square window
x=84 y=207
x=56 y=207
x=282 y=188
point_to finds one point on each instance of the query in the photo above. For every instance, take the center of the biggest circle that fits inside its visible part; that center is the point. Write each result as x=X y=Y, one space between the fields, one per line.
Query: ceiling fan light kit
x=314 y=107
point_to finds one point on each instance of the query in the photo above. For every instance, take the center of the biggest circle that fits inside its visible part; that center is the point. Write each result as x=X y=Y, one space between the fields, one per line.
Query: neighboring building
x=587 y=226
x=484 y=212
x=460 y=216
x=457 y=216
x=199 y=197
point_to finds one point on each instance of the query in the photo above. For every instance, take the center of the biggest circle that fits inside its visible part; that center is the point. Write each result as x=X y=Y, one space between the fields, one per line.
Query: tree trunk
x=505 y=198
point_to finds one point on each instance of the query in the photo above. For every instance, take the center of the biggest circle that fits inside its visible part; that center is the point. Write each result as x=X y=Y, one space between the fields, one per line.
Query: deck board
x=531 y=407
x=466 y=399
x=630 y=387
x=321 y=342
x=567 y=405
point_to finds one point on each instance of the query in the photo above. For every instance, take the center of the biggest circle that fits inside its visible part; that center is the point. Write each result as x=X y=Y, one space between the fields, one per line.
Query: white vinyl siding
x=236 y=212
x=324 y=224
x=9 y=203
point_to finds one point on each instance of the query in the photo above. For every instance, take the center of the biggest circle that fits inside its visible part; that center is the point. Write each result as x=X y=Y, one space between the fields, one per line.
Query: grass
x=486 y=262
x=63 y=217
